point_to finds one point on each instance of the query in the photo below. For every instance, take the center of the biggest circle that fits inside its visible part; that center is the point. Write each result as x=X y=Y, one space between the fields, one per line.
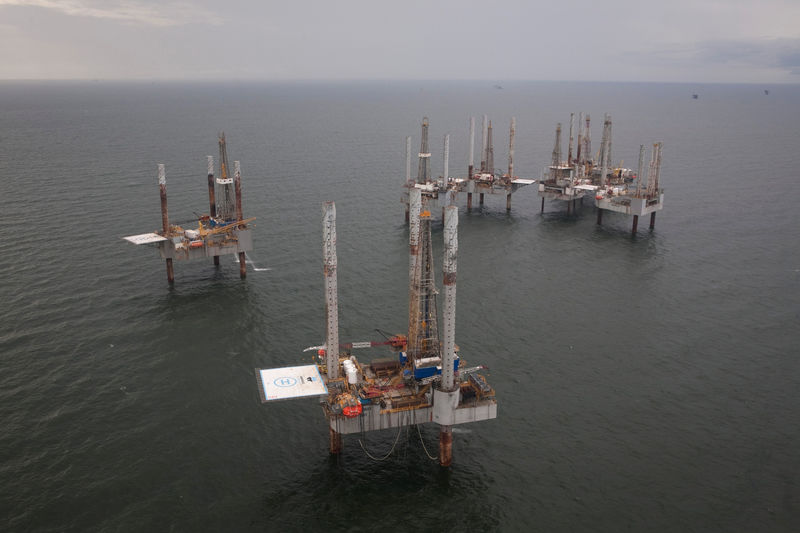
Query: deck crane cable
x=399 y=430
x=422 y=441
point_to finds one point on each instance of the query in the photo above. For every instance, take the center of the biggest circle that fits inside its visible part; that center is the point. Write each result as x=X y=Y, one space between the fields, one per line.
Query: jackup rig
x=223 y=231
x=423 y=382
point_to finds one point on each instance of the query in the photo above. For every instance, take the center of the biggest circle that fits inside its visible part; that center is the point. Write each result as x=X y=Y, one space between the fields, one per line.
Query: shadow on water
x=454 y=499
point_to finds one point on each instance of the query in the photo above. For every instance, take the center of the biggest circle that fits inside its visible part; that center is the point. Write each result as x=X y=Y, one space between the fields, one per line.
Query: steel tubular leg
x=446 y=446
x=242 y=265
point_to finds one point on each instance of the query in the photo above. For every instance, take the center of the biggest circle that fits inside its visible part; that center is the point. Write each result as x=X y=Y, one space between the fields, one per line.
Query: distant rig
x=422 y=383
x=615 y=189
x=486 y=180
x=223 y=231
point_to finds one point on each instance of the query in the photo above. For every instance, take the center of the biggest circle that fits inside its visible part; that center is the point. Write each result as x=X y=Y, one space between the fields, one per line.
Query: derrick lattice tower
x=424 y=172
x=227 y=206
x=423 y=330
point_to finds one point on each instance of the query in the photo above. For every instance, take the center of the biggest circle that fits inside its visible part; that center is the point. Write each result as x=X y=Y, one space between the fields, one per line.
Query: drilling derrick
x=556 y=157
x=226 y=207
x=424 y=172
x=423 y=331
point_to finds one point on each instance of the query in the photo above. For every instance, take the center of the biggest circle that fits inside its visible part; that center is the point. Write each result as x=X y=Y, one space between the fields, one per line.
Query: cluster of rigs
x=613 y=188
x=424 y=381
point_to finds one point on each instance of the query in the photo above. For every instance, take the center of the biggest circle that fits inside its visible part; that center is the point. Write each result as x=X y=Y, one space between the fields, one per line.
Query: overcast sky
x=754 y=41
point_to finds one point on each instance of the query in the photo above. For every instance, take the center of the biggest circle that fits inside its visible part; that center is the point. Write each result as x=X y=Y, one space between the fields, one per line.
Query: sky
x=693 y=41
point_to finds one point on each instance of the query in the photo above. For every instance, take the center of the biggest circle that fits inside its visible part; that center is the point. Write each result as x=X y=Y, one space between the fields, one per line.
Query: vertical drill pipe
x=471 y=167
x=471 y=144
x=212 y=203
x=237 y=187
x=635 y=224
x=579 y=156
x=604 y=153
x=408 y=160
x=480 y=200
x=508 y=201
x=639 y=171
x=511 y=148
x=483 y=144
x=414 y=270
x=162 y=189
x=489 y=150
x=331 y=291
x=542 y=211
x=599 y=216
x=409 y=183
x=652 y=220
x=571 y=138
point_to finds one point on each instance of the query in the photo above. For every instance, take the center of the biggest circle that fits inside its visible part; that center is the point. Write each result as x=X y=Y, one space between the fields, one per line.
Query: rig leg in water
x=446 y=446
x=336 y=442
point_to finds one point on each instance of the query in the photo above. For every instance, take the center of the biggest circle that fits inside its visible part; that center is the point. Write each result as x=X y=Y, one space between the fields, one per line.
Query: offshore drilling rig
x=422 y=383
x=487 y=180
x=221 y=232
x=614 y=188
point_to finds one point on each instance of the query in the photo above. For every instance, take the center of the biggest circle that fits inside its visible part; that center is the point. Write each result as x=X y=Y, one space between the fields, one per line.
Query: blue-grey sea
x=645 y=383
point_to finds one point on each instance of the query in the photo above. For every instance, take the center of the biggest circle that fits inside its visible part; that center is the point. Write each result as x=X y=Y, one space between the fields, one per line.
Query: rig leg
x=635 y=224
x=652 y=220
x=542 y=211
x=446 y=446
x=216 y=260
x=599 y=216
x=170 y=273
x=508 y=202
x=336 y=442
x=569 y=206
x=480 y=199
x=242 y=265
x=469 y=201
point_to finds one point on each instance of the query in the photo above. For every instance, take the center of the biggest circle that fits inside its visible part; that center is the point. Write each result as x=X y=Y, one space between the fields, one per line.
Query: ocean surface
x=645 y=383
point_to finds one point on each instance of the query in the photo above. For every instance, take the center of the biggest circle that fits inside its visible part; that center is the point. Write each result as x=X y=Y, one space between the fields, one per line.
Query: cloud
x=752 y=54
x=161 y=14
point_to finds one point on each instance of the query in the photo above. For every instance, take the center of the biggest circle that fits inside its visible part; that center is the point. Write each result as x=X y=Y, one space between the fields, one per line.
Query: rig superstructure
x=423 y=382
x=223 y=231
x=486 y=180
